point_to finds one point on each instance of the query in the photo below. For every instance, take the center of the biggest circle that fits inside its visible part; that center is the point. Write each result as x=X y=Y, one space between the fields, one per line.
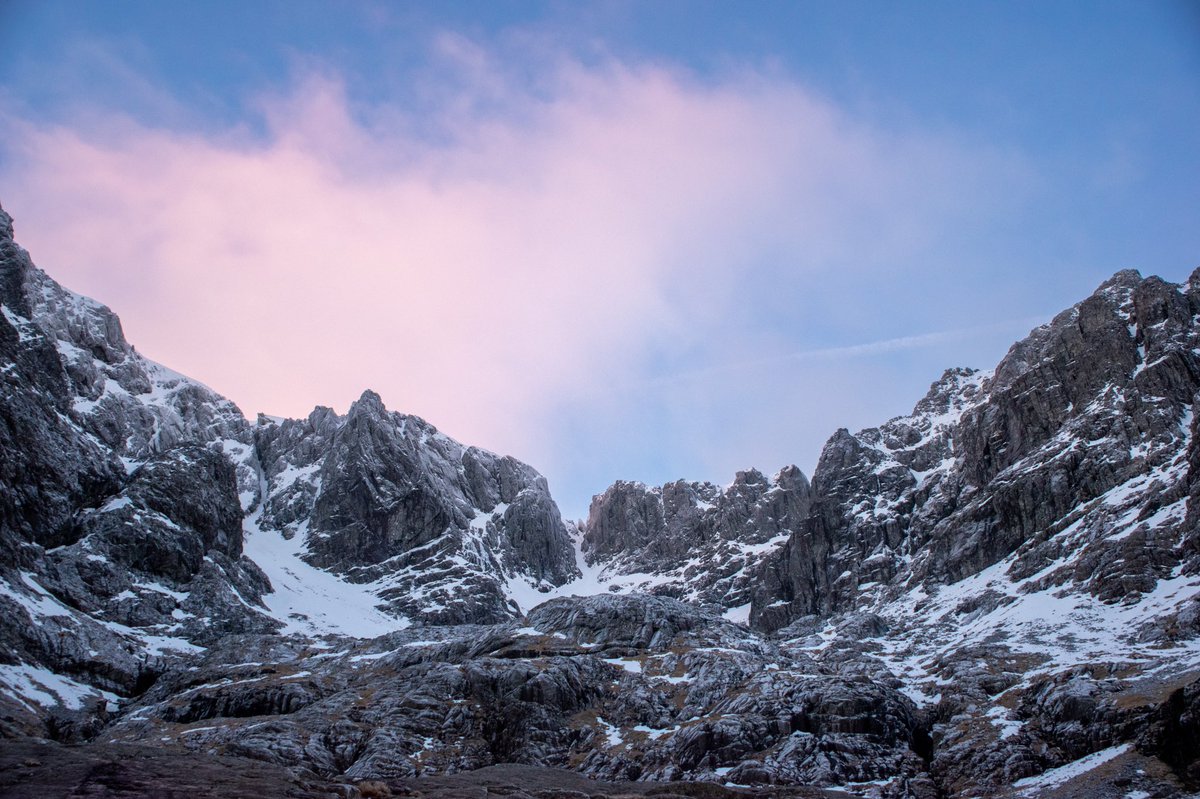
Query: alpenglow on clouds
x=563 y=232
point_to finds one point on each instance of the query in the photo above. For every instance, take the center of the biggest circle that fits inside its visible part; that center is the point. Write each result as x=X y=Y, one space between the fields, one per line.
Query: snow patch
x=37 y=686
x=613 y=733
x=1029 y=786
x=631 y=666
x=309 y=600
x=739 y=614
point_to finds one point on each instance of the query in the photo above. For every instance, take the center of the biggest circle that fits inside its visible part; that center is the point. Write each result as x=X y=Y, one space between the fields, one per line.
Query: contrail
x=853 y=350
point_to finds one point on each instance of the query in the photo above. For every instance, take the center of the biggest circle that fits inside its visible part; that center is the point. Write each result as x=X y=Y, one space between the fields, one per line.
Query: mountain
x=996 y=595
x=441 y=532
x=131 y=494
x=1026 y=539
x=695 y=541
x=1073 y=458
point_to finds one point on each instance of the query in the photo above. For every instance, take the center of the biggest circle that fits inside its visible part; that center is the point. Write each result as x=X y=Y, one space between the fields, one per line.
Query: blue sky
x=618 y=240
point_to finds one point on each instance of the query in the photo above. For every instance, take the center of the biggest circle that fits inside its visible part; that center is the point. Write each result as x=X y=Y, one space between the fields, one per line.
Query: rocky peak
x=627 y=517
x=791 y=477
x=956 y=387
x=842 y=452
x=693 y=540
x=749 y=477
x=440 y=530
x=68 y=318
x=369 y=403
x=1122 y=283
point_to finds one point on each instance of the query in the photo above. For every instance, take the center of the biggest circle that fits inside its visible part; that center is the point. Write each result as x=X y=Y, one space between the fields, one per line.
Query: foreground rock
x=43 y=770
x=625 y=688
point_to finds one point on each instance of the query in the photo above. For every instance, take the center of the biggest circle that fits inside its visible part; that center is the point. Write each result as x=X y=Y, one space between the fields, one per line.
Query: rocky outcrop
x=173 y=510
x=165 y=553
x=619 y=688
x=694 y=541
x=138 y=582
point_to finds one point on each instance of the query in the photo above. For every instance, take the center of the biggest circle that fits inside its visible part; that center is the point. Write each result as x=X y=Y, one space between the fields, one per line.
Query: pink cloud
x=541 y=246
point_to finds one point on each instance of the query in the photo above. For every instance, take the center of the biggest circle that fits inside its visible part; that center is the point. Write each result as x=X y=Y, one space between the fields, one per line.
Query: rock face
x=695 y=541
x=439 y=528
x=995 y=596
x=165 y=553
x=49 y=467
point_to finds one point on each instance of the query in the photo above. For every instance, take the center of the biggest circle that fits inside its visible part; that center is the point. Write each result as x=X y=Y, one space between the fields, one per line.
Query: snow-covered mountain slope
x=994 y=596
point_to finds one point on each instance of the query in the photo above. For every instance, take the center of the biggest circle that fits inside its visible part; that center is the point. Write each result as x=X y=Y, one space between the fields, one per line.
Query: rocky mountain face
x=439 y=530
x=1073 y=457
x=695 y=541
x=121 y=520
x=995 y=596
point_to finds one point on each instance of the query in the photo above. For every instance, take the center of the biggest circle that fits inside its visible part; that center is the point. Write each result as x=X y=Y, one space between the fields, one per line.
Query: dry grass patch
x=373 y=789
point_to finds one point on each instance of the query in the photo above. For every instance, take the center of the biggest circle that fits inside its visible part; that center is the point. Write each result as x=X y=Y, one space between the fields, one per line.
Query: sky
x=617 y=240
